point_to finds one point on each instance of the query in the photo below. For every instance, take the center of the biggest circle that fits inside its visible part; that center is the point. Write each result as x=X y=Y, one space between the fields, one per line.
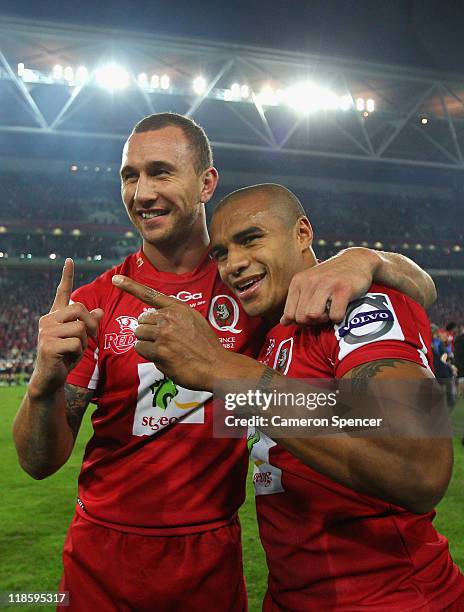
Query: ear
x=210 y=180
x=304 y=233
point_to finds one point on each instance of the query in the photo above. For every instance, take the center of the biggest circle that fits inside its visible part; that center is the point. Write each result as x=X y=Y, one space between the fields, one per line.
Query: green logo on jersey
x=252 y=440
x=163 y=391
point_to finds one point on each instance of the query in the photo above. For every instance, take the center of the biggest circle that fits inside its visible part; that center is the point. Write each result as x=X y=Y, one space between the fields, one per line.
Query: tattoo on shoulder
x=363 y=373
x=77 y=400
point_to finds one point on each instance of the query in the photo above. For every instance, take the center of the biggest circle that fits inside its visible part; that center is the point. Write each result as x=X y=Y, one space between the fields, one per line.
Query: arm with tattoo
x=46 y=428
x=412 y=472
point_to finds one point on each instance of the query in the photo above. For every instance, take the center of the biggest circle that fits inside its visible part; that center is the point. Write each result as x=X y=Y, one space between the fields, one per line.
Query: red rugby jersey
x=328 y=547
x=152 y=464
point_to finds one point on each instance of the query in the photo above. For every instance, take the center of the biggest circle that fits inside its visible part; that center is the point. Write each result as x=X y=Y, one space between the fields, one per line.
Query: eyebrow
x=152 y=166
x=237 y=238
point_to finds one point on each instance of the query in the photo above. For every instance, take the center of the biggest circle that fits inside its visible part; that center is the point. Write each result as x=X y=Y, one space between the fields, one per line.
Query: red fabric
x=152 y=467
x=109 y=570
x=328 y=547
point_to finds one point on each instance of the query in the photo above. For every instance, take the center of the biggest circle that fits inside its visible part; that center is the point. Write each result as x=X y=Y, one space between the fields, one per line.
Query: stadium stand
x=45 y=217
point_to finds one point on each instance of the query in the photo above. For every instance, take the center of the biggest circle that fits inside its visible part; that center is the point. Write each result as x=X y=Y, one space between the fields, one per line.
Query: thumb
x=97 y=316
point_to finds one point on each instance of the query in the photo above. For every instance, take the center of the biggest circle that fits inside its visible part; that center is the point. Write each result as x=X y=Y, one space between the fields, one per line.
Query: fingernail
x=117 y=280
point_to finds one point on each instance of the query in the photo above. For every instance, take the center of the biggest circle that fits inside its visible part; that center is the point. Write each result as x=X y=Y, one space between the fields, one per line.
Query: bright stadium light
x=165 y=81
x=370 y=105
x=142 y=79
x=424 y=120
x=112 y=77
x=309 y=97
x=82 y=74
x=245 y=91
x=155 y=81
x=346 y=102
x=68 y=74
x=235 y=89
x=360 y=104
x=52 y=256
x=20 y=69
x=228 y=95
x=199 y=85
x=57 y=72
x=267 y=96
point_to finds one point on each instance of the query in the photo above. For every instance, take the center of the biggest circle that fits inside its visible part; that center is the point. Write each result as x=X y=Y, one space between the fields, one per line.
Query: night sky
x=423 y=33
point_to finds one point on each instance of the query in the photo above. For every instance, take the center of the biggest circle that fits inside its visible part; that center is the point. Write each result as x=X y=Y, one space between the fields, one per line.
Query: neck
x=179 y=258
x=309 y=260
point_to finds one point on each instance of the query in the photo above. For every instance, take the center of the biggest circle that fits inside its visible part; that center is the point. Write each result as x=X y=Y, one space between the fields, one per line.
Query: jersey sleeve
x=383 y=324
x=86 y=373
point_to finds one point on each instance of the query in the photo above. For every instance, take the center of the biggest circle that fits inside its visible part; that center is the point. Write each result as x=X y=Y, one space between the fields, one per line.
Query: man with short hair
x=156 y=516
x=345 y=520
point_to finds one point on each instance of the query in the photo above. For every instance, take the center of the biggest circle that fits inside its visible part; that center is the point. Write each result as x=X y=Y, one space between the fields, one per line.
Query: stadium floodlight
x=20 y=69
x=165 y=81
x=199 y=85
x=82 y=74
x=424 y=120
x=129 y=234
x=228 y=95
x=378 y=245
x=68 y=74
x=457 y=248
x=112 y=77
x=75 y=232
x=3 y=229
x=57 y=231
x=308 y=97
x=235 y=90
x=245 y=91
x=321 y=242
x=419 y=247
x=360 y=104
x=142 y=79
x=57 y=72
x=2 y=254
x=52 y=256
x=370 y=105
x=74 y=168
x=345 y=102
x=268 y=97
x=155 y=81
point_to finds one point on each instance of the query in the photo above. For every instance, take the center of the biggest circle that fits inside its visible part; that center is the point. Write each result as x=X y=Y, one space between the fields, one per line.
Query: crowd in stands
x=33 y=205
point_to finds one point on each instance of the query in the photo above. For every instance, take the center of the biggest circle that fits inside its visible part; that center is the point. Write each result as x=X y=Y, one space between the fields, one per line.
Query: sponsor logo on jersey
x=124 y=340
x=284 y=356
x=262 y=478
x=161 y=403
x=368 y=319
x=186 y=296
x=224 y=314
x=139 y=262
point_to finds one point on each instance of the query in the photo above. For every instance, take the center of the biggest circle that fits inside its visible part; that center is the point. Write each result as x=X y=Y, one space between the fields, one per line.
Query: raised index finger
x=143 y=293
x=64 y=289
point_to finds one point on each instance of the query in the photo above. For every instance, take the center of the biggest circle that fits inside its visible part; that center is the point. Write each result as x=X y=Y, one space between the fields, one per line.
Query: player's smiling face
x=160 y=187
x=257 y=253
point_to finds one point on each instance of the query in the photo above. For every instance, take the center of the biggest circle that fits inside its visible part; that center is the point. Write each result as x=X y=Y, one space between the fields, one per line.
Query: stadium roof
x=58 y=80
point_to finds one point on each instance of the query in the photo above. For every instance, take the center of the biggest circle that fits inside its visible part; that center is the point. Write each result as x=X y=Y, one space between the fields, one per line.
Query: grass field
x=34 y=515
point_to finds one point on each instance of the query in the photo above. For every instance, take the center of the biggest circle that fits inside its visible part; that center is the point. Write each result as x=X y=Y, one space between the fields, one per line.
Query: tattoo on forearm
x=77 y=400
x=363 y=373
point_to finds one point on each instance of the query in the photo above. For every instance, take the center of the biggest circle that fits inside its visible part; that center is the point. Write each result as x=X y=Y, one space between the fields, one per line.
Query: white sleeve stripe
x=93 y=382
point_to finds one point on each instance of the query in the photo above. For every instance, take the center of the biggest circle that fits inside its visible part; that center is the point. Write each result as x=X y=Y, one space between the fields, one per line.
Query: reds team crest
x=283 y=356
x=224 y=314
x=125 y=339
